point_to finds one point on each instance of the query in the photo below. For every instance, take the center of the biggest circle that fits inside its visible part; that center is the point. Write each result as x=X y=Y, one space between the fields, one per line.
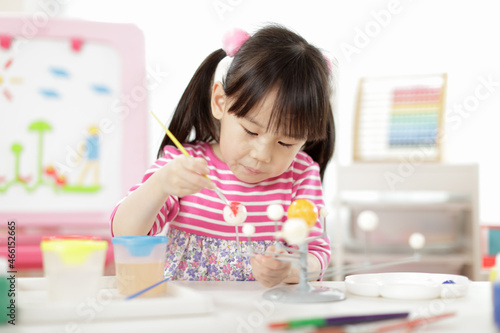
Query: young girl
x=262 y=129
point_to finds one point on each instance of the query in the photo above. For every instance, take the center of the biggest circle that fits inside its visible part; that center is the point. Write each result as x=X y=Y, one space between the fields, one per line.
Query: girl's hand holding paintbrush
x=184 y=175
x=181 y=148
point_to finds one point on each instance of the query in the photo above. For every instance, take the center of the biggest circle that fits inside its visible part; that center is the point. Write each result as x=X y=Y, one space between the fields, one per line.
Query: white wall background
x=403 y=37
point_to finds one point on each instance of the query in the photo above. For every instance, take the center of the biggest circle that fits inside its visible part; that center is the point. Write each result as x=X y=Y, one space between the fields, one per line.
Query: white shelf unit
x=437 y=200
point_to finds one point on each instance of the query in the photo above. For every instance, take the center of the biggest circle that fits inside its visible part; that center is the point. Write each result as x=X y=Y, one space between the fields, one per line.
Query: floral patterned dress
x=193 y=257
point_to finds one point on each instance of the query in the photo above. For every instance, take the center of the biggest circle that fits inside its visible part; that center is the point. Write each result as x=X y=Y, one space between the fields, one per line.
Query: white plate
x=108 y=305
x=407 y=285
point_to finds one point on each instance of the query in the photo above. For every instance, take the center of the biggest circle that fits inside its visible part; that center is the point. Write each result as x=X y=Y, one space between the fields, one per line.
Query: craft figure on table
x=256 y=119
x=91 y=151
x=302 y=215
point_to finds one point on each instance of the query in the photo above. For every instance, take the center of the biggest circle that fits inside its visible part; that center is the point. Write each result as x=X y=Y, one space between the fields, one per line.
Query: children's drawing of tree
x=41 y=127
x=16 y=148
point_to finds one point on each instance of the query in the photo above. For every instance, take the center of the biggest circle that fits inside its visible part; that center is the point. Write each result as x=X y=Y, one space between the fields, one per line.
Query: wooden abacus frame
x=430 y=152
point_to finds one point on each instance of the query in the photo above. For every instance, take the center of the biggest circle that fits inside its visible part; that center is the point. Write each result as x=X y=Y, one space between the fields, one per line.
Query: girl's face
x=252 y=153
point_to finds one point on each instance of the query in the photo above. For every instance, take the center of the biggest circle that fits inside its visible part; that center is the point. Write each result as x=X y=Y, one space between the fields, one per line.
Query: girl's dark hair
x=274 y=57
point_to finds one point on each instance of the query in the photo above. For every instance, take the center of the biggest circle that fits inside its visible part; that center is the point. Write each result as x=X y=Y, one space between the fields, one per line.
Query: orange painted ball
x=304 y=209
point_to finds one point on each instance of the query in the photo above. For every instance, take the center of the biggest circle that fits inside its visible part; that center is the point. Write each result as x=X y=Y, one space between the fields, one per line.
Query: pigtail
x=193 y=110
x=322 y=151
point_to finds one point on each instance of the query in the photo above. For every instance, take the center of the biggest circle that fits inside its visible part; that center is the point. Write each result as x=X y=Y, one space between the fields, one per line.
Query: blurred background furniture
x=438 y=200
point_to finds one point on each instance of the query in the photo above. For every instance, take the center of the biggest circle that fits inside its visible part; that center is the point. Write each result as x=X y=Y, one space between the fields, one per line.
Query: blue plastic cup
x=140 y=262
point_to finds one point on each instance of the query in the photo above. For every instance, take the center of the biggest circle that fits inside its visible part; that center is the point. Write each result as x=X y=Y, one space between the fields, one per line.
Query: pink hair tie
x=233 y=40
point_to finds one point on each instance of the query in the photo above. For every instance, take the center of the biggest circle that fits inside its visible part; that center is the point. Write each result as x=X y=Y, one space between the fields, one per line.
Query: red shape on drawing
x=76 y=44
x=61 y=180
x=5 y=41
x=50 y=170
x=7 y=94
x=7 y=64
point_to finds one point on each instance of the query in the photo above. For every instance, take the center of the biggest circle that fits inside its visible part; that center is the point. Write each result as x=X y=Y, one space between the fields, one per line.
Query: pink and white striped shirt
x=201 y=213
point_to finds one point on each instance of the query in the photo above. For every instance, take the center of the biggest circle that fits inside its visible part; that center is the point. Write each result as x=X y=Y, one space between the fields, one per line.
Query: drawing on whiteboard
x=48 y=175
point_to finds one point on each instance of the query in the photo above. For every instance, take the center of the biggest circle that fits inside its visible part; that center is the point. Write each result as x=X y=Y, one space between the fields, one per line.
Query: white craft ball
x=275 y=212
x=368 y=220
x=323 y=212
x=248 y=229
x=295 y=231
x=234 y=219
x=417 y=241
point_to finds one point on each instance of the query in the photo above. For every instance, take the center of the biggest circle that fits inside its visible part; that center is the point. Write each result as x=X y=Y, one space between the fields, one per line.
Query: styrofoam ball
x=368 y=220
x=295 y=231
x=275 y=212
x=248 y=229
x=323 y=212
x=417 y=241
x=235 y=213
x=304 y=209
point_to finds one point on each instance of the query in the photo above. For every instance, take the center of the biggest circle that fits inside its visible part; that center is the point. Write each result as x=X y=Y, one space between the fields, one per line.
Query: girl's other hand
x=269 y=271
x=185 y=175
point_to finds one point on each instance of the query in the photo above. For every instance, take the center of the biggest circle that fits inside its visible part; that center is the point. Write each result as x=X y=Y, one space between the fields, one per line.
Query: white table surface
x=240 y=307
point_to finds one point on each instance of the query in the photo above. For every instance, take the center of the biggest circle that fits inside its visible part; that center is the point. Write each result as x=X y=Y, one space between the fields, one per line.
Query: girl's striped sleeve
x=169 y=209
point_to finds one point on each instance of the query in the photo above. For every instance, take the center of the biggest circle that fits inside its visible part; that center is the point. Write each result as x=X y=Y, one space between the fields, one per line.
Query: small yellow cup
x=73 y=266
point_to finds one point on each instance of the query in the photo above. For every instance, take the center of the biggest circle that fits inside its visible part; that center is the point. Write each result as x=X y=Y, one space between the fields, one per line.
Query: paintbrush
x=407 y=325
x=336 y=321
